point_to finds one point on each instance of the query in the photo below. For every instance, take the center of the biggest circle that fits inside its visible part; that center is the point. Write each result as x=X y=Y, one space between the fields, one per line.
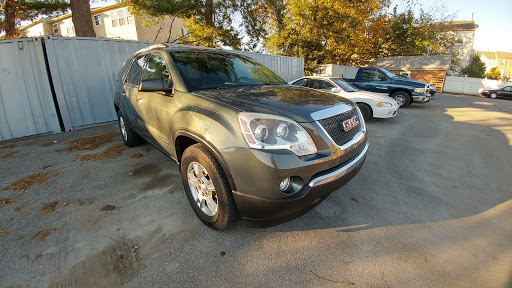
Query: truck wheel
x=402 y=98
x=130 y=138
x=207 y=188
x=365 y=110
x=494 y=96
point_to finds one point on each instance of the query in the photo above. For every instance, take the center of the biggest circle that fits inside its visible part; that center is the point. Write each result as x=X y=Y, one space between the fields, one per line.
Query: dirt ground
x=431 y=207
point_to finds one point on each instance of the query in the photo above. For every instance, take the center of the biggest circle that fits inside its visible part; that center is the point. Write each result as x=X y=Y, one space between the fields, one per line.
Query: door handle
x=139 y=101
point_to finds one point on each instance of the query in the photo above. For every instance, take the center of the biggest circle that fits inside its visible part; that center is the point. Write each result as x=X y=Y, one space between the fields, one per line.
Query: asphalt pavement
x=431 y=207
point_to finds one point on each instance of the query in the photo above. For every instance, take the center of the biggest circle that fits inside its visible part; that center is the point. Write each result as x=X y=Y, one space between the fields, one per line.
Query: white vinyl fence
x=82 y=72
x=471 y=86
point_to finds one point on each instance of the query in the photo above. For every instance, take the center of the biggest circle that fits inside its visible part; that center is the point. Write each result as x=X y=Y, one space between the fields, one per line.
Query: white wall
x=471 y=86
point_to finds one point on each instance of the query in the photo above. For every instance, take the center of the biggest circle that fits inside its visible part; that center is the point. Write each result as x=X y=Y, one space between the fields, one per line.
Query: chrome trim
x=339 y=172
x=355 y=140
x=331 y=111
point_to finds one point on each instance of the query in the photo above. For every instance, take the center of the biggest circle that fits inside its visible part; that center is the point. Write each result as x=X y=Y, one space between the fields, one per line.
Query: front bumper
x=420 y=99
x=274 y=211
x=385 y=112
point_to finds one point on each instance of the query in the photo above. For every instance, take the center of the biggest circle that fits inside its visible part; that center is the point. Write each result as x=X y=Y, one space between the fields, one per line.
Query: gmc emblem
x=350 y=123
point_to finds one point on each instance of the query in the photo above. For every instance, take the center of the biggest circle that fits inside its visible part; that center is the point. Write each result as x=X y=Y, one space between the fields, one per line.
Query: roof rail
x=159 y=45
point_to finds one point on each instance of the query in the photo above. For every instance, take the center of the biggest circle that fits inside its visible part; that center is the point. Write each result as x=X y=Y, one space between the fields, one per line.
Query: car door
x=130 y=91
x=371 y=80
x=506 y=92
x=156 y=108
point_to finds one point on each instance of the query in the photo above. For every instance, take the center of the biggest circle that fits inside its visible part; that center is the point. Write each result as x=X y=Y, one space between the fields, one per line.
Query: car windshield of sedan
x=344 y=85
x=203 y=70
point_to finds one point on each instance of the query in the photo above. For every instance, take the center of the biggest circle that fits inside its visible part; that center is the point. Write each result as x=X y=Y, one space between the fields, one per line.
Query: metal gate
x=26 y=102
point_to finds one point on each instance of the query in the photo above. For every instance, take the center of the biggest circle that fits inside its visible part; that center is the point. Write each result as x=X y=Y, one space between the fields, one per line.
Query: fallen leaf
x=138 y=155
x=30 y=180
x=111 y=152
x=90 y=143
x=41 y=235
x=5 y=233
x=49 y=207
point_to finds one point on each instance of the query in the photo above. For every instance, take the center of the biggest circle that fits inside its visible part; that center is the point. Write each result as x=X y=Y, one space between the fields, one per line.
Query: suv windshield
x=203 y=70
x=344 y=85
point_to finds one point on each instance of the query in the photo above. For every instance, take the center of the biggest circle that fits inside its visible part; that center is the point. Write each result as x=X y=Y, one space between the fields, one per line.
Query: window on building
x=55 y=28
x=502 y=62
x=97 y=20
x=121 y=17
x=70 y=30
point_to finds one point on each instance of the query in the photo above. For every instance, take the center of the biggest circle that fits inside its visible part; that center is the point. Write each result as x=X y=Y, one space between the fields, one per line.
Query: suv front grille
x=334 y=127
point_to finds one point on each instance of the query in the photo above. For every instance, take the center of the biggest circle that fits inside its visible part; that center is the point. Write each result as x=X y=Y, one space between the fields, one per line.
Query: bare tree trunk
x=9 y=23
x=209 y=13
x=81 y=16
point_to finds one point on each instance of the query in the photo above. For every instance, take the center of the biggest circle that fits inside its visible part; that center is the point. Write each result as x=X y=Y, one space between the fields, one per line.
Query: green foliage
x=16 y=11
x=494 y=73
x=475 y=67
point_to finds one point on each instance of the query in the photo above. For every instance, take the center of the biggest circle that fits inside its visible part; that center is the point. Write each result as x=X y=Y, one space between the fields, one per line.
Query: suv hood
x=296 y=103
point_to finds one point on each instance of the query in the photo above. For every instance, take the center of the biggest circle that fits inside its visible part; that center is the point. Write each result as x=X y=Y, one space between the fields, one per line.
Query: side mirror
x=382 y=77
x=153 y=85
x=336 y=90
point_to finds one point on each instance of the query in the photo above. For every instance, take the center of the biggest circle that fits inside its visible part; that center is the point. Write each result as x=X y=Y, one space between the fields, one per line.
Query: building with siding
x=112 y=21
x=464 y=33
x=501 y=60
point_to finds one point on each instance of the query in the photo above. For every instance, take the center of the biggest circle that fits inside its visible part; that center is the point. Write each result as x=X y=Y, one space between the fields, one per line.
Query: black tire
x=130 y=138
x=493 y=96
x=366 y=111
x=402 y=98
x=198 y=194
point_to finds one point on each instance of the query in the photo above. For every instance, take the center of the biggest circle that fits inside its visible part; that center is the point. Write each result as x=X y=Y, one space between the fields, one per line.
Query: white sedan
x=371 y=104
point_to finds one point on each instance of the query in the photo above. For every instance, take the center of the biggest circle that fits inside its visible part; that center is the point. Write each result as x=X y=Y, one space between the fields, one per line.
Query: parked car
x=505 y=92
x=247 y=143
x=404 y=90
x=371 y=104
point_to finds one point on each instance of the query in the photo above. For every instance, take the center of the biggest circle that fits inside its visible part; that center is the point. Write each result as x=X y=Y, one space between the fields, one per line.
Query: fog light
x=284 y=184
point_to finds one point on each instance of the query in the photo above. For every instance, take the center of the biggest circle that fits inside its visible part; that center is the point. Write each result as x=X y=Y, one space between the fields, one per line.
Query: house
x=502 y=60
x=464 y=33
x=431 y=68
x=112 y=21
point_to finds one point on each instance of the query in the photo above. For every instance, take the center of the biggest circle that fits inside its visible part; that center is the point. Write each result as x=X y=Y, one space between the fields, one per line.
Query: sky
x=493 y=17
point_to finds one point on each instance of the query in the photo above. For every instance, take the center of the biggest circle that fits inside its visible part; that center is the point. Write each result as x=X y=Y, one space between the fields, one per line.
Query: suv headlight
x=420 y=90
x=271 y=132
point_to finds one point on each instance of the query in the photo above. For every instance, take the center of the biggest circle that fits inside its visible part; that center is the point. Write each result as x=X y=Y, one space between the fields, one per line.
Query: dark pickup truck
x=403 y=90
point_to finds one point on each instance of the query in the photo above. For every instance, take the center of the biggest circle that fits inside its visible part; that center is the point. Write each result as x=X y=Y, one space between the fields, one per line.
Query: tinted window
x=320 y=84
x=155 y=67
x=301 y=82
x=371 y=74
x=202 y=70
x=134 y=75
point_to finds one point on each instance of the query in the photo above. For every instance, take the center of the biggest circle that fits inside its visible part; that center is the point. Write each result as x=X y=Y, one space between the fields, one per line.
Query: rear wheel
x=130 y=138
x=207 y=188
x=402 y=98
x=365 y=110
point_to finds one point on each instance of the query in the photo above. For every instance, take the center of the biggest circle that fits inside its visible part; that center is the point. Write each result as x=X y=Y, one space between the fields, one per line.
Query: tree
x=475 y=67
x=16 y=11
x=208 y=22
x=494 y=73
x=81 y=17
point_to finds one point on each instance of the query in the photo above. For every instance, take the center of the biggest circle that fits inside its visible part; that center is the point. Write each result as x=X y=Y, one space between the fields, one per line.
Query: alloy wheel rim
x=400 y=100
x=202 y=188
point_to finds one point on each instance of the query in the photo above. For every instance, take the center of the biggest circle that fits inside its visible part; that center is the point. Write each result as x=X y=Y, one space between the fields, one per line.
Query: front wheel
x=494 y=95
x=402 y=98
x=207 y=188
x=366 y=111
x=130 y=138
